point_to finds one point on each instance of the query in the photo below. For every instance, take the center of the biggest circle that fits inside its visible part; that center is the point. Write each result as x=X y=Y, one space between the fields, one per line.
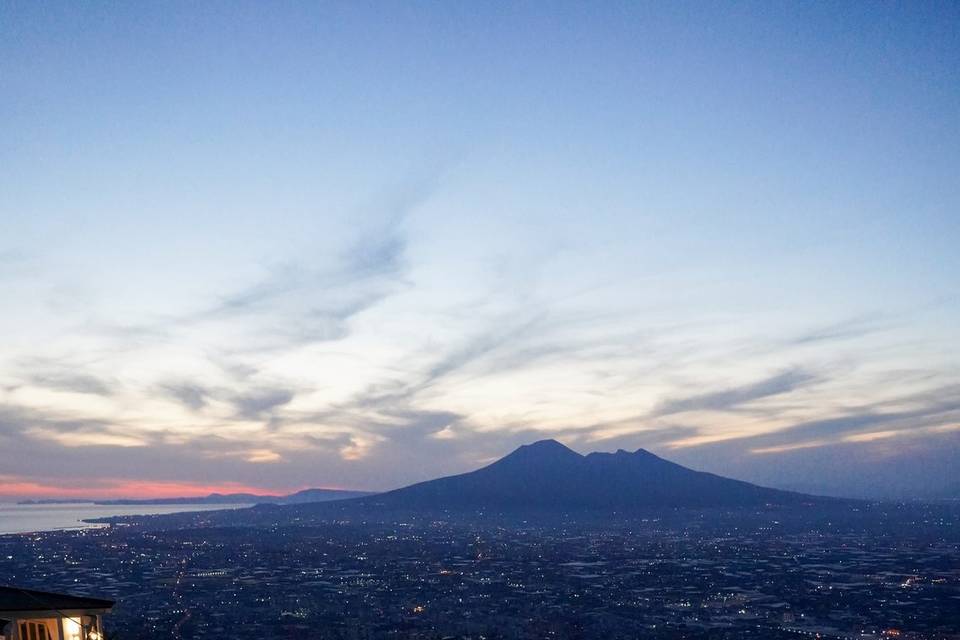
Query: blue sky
x=364 y=244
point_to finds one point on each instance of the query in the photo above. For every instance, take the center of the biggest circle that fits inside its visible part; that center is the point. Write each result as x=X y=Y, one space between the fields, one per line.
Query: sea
x=30 y=518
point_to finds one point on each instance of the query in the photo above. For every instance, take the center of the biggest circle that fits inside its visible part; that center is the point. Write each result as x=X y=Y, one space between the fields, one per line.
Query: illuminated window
x=72 y=629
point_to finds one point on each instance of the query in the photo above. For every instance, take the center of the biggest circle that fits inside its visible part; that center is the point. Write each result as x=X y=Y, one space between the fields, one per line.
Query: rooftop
x=17 y=599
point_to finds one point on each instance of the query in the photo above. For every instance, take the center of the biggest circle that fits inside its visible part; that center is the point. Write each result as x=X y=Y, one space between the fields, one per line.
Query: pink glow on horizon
x=12 y=486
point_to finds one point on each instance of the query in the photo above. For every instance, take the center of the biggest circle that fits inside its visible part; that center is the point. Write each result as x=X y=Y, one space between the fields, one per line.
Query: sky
x=269 y=246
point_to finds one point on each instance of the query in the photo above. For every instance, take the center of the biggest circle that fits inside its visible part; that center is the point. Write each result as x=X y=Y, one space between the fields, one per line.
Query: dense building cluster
x=704 y=575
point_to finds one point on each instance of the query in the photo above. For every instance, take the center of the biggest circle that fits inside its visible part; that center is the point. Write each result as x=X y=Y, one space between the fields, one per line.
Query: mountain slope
x=548 y=475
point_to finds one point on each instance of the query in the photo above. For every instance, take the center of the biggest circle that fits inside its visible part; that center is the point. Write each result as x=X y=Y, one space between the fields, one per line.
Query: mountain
x=322 y=495
x=300 y=497
x=548 y=475
x=536 y=480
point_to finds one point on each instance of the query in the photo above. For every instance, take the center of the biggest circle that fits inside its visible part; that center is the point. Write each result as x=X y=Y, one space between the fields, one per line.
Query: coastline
x=19 y=519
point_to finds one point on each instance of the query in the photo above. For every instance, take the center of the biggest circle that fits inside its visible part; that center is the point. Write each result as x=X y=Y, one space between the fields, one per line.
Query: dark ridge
x=549 y=475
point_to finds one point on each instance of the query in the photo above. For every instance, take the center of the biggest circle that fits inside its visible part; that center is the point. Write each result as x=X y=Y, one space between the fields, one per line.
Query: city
x=885 y=571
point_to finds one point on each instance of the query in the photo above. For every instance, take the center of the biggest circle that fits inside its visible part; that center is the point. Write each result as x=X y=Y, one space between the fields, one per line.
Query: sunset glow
x=402 y=243
x=11 y=487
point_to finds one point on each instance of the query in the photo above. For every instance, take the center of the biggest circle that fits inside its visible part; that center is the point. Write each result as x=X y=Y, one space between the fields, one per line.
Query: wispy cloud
x=913 y=414
x=193 y=396
x=734 y=397
x=862 y=422
x=255 y=404
x=850 y=329
x=87 y=437
x=73 y=383
x=18 y=423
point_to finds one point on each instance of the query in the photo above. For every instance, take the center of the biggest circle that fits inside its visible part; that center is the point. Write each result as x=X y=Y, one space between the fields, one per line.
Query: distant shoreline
x=27 y=519
x=307 y=495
